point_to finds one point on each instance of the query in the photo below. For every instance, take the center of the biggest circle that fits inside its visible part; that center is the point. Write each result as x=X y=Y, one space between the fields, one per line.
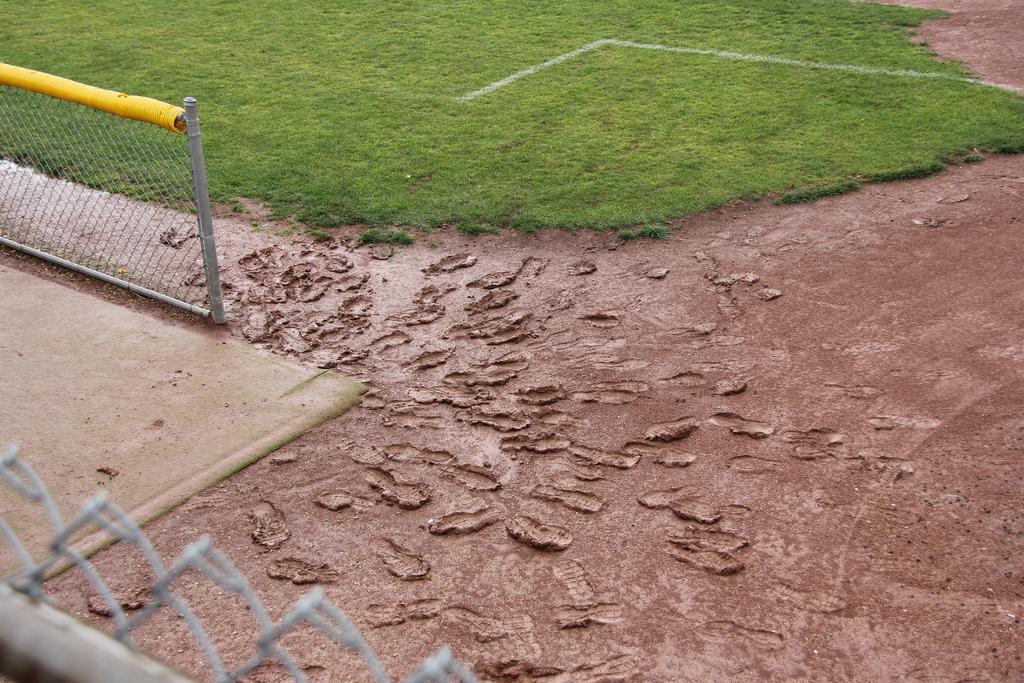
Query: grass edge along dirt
x=375 y=135
x=801 y=195
x=385 y=236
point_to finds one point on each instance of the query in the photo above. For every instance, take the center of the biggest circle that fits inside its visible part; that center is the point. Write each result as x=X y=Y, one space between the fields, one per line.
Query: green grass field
x=348 y=112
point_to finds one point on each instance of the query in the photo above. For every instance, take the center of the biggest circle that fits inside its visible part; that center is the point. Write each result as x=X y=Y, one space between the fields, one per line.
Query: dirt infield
x=784 y=444
x=817 y=484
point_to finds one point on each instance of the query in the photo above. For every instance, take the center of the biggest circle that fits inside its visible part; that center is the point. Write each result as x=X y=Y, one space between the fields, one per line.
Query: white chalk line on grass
x=732 y=56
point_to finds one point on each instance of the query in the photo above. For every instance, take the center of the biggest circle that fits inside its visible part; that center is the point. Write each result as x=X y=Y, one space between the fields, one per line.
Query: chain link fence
x=39 y=643
x=118 y=199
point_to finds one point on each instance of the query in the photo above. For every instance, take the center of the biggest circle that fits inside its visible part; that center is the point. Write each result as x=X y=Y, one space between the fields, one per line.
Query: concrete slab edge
x=180 y=493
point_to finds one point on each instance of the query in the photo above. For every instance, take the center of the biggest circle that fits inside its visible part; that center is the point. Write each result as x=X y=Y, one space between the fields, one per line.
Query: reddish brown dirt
x=874 y=531
x=983 y=34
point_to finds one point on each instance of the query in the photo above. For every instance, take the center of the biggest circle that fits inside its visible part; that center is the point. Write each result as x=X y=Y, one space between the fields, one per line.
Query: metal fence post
x=39 y=643
x=91 y=182
x=209 y=249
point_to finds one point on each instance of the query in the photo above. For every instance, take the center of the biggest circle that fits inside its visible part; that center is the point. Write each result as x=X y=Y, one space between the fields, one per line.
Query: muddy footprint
x=890 y=422
x=431 y=294
x=500 y=329
x=730 y=279
x=492 y=300
x=737 y=424
x=552 y=417
x=356 y=306
x=811 y=444
x=810 y=601
x=380 y=615
x=535 y=443
x=420 y=314
x=711 y=561
x=389 y=341
x=763 y=639
x=495 y=280
x=341 y=356
x=672 y=431
x=499 y=420
x=340 y=499
x=450 y=264
x=728 y=306
x=729 y=387
x=407 y=496
x=615 y=669
x=859 y=392
x=406 y=452
x=260 y=260
x=457 y=396
x=584 y=609
x=474 y=477
x=301 y=571
x=270 y=529
x=571 y=497
x=351 y=282
x=674 y=458
x=583 y=267
x=399 y=561
x=696 y=536
x=541 y=395
x=694 y=510
x=685 y=378
x=574 y=576
x=571 y=616
x=534 y=533
x=515 y=633
x=585 y=472
x=463 y=522
x=415 y=416
x=429 y=359
x=681 y=505
x=587 y=455
x=601 y=319
x=615 y=393
x=532 y=266
x=513 y=361
x=748 y=464
x=128 y=602
x=492 y=376
x=698 y=329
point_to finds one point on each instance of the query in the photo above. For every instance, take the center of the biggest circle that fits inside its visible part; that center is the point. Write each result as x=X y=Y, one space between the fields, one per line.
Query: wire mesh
x=200 y=558
x=111 y=194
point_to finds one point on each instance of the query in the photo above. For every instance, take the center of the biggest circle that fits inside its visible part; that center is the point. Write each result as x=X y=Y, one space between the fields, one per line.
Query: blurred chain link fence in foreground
x=37 y=642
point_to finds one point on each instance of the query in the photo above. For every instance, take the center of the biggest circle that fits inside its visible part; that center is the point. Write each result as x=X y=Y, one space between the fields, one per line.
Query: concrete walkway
x=87 y=384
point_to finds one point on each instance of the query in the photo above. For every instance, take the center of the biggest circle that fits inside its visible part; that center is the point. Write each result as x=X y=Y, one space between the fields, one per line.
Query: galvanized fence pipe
x=99 y=182
x=75 y=653
x=202 y=193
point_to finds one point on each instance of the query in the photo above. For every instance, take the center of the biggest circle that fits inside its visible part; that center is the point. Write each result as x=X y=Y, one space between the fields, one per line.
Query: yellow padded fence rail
x=127 y=106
